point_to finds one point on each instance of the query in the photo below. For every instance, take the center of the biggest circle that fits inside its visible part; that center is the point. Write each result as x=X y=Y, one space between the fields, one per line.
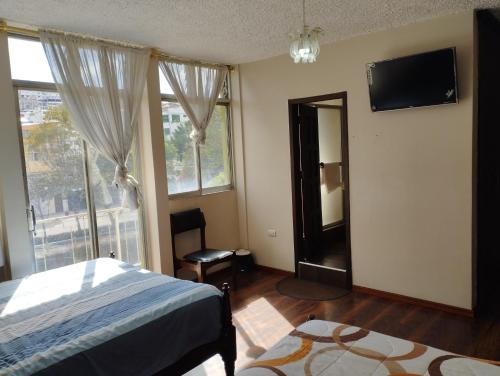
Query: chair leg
x=198 y=273
x=202 y=273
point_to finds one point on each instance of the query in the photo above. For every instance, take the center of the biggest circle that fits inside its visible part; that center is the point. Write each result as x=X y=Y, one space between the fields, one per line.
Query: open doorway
x=320 y=186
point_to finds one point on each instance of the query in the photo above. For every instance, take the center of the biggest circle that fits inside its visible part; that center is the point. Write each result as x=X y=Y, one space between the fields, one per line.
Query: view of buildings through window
x=69 y=185
x=191 y=168
x=63 y=174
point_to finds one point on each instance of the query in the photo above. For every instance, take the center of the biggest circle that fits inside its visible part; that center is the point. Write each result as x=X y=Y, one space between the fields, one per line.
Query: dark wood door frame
x=486 y=255
x=295 y=174
x=334 y=106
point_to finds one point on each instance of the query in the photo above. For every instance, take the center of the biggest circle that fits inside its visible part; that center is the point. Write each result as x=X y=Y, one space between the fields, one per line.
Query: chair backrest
x=186 y=221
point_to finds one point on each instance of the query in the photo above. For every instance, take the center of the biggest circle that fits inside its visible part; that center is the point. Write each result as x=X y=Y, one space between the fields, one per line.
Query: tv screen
x=425 y=79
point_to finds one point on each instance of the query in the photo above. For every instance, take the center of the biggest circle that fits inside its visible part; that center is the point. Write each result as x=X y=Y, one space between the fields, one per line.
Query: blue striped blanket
x=50 y=316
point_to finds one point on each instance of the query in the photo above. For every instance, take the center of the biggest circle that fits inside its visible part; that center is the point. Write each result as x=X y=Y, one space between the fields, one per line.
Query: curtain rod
x=32 y=33
x=163 y=56
x=18 y=30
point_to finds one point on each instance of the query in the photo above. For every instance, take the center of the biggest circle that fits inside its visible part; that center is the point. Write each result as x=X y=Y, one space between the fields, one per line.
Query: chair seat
x=208 y=255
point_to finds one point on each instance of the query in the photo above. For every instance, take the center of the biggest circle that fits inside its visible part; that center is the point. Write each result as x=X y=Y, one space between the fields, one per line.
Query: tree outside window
x=183 y=171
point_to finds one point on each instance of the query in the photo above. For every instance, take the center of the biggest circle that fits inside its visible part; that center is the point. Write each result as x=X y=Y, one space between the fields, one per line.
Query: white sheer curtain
x=102 y=86
x=197 y=89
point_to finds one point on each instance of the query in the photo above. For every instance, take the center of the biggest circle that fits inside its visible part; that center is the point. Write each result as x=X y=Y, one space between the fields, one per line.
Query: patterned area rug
x=326 y=348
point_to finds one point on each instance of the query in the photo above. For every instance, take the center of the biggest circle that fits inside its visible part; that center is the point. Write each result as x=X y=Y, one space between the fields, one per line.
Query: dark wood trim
x=331 y=106
x=414 y=301
x=347 y=189
x=219 y=274
x=274 y=270
x=333 y=225
x=225 y=345
x=3 y=276
x=486 y=171
x=296 y=195
x=319 y=98
x=295 y=174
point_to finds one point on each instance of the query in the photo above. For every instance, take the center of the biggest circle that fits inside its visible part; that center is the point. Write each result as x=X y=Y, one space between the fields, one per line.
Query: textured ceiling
x=229 y=31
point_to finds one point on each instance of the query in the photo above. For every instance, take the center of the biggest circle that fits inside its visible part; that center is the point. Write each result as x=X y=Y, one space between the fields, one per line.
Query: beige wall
x=154 y=177
x=410 y=170
x=330 y=150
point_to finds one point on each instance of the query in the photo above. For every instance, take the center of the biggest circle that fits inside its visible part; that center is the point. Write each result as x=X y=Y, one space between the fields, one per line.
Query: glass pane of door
x=55 y=175
x=118 y=229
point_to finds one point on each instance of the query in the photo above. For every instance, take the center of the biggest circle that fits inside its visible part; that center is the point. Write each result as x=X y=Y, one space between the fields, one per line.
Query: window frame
x=19 y=85
x=226 y=102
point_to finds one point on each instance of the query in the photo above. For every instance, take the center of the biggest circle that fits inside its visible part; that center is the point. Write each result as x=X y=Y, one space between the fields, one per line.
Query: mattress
x=327 y=348
x=103 y=317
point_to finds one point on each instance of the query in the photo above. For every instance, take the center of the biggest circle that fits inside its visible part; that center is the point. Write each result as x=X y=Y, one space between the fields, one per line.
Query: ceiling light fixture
x=304 y=45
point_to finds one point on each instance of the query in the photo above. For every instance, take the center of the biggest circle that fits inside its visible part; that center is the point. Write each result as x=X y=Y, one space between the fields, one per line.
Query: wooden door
x=310 y=181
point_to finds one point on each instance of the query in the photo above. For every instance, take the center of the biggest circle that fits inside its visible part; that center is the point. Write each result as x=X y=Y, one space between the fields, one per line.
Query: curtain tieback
x=198 y=136
x=130 y=186
x=121 y=176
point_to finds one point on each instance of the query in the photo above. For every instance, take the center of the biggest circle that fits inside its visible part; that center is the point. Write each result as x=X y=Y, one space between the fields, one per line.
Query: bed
x=328 y=348
x=106 y=317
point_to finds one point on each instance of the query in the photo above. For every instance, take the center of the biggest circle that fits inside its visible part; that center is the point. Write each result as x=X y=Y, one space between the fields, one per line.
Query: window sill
x=206 y=192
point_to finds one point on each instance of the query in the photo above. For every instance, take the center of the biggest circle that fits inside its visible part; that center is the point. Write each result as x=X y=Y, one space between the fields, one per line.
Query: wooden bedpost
x=228 y=350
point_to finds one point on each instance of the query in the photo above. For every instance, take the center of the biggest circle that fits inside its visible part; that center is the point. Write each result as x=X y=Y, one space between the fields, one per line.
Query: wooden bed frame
x=225 y=345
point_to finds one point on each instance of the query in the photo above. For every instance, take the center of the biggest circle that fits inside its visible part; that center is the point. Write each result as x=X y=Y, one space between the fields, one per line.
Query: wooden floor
x=262 y=316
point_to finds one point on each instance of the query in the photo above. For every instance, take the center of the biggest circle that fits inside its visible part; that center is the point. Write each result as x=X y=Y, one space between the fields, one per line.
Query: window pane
x=215 y=155
x=118 y=229
x=179 y=150
x=55 y=174
x=166 y=89
x=164 y=86
x=28 y=61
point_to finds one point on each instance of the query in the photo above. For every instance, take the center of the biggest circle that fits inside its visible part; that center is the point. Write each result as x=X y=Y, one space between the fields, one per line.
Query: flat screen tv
x=425 y=79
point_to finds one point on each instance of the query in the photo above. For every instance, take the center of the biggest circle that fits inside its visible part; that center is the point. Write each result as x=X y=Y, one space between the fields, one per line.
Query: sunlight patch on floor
x=258 y=327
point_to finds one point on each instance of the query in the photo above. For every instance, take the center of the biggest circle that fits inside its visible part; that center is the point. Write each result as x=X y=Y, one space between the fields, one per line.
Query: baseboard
x=415 y=301
x=223 y=271
x=285 y=273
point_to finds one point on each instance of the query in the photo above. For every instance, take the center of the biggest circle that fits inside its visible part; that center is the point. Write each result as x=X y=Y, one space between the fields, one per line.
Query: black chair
x=205 y=258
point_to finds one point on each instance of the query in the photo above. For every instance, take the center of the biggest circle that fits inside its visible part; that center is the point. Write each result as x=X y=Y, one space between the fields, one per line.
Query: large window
x=69 y=184
x=190 y=168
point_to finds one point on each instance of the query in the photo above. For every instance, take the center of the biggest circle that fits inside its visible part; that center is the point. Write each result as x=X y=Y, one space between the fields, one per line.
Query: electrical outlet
x=271 y=232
